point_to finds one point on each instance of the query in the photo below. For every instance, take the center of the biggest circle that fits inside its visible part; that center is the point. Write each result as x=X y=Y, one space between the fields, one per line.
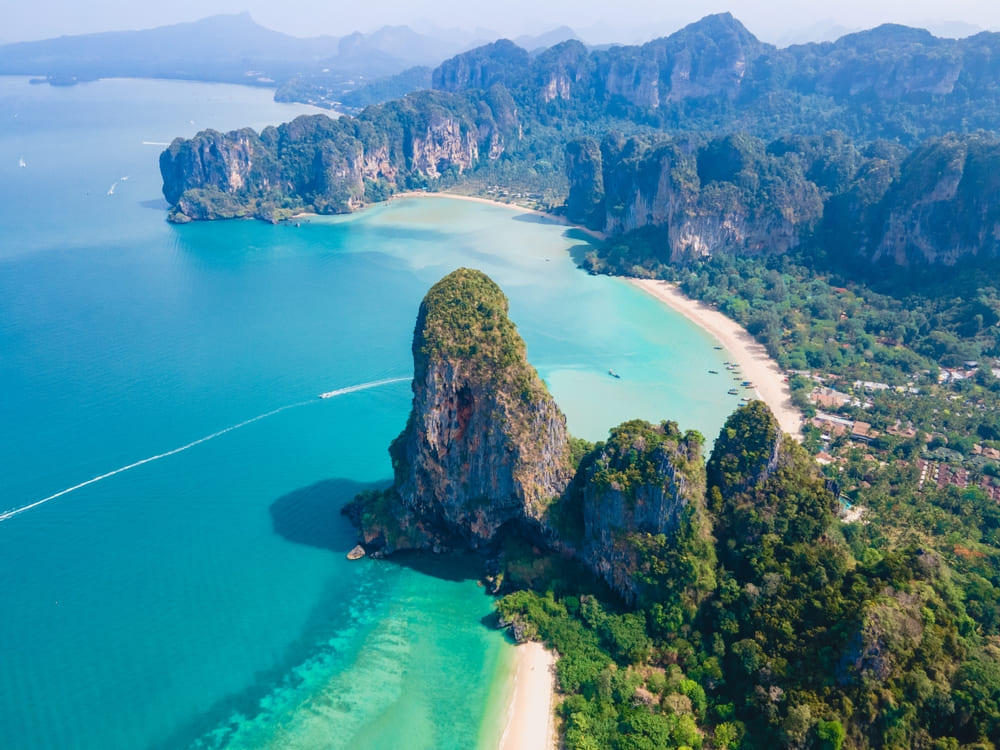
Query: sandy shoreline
x=753 y=359
x=554 y=218
x=530 y=723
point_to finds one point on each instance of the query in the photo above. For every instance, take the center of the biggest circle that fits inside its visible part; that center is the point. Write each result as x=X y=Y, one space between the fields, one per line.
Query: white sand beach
x=554 y=218
x=753 y=359
x=530 y=722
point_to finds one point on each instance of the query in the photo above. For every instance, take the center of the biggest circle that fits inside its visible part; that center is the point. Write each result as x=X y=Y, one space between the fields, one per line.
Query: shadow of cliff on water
x=448 y=566
x=579 y=253
x=311 y=515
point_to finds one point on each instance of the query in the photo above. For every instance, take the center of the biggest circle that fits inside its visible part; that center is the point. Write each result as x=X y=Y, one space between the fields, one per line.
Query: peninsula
x=688 y=602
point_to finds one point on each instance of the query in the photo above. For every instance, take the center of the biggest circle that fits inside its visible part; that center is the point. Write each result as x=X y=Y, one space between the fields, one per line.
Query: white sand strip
x=530 y=723
x=755 y=363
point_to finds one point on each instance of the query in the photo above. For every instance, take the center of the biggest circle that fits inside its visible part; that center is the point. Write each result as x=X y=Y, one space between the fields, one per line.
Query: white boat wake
x=331 y=394
x=361 y=387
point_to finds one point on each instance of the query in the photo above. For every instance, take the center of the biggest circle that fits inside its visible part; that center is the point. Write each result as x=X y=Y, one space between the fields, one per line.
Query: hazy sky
x=771 y=20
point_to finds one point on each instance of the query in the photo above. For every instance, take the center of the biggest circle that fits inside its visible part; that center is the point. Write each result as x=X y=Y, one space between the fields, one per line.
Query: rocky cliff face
x=485 y=444
x=227 y=162
x=644 y=481
x=709 y=58
x=717 y=62
x=333 y=166
x=944 y=207
x=501 y=62
x=740 y=195
x=726 y=196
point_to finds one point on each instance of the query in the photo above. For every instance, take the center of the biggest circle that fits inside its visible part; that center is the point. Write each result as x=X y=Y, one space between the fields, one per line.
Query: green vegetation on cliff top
x=464 y=318
x=634 y=453
x=464 y=315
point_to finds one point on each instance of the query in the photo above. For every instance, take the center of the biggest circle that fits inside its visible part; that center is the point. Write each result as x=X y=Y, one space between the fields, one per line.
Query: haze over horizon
x=778 y=21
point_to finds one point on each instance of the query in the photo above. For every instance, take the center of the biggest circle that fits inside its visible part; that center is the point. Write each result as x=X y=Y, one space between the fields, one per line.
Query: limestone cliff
x=333 y=166
x=500 y=62
x=943 y=208
x=485 y=445
x=644 y=492
x=729 y=195
x=485 y=456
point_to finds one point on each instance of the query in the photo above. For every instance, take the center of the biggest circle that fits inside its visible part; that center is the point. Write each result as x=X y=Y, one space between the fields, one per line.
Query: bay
x=198 y=595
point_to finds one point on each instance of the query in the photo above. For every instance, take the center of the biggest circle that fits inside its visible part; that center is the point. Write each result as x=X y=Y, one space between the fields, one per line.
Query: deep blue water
x=202 y=599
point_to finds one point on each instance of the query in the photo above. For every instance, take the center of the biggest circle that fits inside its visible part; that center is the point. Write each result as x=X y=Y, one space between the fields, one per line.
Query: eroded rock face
x=943 y=208
x=227 y=161
x=485 y=443
x=334 y=166
x=639 y=483
x=708 y=200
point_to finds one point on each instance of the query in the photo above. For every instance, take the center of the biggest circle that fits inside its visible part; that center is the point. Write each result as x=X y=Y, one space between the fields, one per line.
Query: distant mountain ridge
x=226 y=47
x=223 y=47
x=714 y=75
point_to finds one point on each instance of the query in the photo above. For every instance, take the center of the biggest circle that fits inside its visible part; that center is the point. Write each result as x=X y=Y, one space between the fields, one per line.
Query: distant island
x=691 y=604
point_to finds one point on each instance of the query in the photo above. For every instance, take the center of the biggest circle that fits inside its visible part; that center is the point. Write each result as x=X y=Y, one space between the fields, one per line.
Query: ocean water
x=171 y=553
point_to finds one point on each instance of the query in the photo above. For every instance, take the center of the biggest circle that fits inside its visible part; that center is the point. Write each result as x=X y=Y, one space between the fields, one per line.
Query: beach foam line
x=155 y=143
x=107 y=475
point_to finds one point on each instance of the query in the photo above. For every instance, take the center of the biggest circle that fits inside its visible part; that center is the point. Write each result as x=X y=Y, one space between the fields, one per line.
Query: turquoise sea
x=197 y=595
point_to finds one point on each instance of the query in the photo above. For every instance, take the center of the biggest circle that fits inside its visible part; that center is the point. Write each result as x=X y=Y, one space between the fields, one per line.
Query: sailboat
x=21 y=162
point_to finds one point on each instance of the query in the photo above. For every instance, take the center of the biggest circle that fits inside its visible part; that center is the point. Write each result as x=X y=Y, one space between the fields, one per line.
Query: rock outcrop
x=333 y=166
x=747 y=451
x=501 y=62
x=485 y=445
x=944 y=206
x=727 y=196
x=645 y=481
x=485 y=453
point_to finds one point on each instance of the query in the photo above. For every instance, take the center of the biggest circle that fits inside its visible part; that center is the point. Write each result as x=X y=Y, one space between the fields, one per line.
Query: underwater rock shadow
x=539 y=218
x=311 y=515
x=573 y=231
